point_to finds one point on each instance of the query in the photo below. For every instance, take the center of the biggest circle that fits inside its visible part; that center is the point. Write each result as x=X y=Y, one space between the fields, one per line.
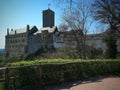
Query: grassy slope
x=43 y=61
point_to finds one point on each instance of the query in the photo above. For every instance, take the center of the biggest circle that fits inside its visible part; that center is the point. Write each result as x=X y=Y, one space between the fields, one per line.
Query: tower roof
x=21 y=30
x=48 y=10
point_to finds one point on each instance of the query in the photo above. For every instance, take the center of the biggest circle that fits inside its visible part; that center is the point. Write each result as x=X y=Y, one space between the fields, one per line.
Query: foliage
x=64 y=53
x=41 y=61
x=94 y=53
x=41 y=53
x=111 y=50
x=108 y=12
x=60 y=70
x=2 y=61
x=25 y=76
x=45 y=61
x=1 y=86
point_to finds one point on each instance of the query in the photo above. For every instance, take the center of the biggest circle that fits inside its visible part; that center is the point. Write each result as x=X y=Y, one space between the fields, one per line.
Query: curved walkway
x=95 y=83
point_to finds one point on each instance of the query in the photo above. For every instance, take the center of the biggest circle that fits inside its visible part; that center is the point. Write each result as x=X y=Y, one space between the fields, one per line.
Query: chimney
x=7 y=31
x=15 y=32
x=28 y=28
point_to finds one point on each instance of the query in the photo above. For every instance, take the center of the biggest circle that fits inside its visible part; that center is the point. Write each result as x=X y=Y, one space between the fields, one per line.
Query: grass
x=44 y=61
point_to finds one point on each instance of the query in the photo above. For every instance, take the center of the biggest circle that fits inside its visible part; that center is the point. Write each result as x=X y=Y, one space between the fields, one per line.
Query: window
x=22 y=35
x=18 y=40
x=59 y=40
x=23 y=40
x=11 y=41
x=15 y=41
x=21 y=45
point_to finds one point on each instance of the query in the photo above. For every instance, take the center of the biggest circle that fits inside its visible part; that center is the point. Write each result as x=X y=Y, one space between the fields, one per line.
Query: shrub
x=1 y=86
x=60 y=72
x=2 y=61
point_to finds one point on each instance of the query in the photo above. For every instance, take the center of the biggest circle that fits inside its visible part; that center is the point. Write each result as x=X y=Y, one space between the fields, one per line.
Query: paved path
x=96 y=83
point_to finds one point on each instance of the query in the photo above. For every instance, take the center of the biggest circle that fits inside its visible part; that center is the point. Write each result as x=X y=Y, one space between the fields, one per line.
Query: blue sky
x=15 y=14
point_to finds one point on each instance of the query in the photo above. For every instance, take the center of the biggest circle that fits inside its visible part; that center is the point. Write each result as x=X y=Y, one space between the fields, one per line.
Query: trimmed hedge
x=43 y=74
x=1 y=86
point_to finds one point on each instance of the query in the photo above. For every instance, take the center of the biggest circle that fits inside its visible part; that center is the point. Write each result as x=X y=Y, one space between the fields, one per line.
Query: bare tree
x=108 y=12
x=76 y=15
x=63 y=27
x=64 y=2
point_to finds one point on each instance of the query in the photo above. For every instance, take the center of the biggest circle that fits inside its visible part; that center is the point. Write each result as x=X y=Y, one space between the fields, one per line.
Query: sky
x=15 y=14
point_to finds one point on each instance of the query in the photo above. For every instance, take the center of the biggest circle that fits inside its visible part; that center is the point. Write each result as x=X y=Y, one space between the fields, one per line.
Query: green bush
x=2 y=61
x=1 y=86
x=23 y=77
x=61 y=71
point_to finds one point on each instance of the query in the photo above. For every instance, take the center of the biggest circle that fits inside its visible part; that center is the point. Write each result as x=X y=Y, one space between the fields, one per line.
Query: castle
x=30 y=39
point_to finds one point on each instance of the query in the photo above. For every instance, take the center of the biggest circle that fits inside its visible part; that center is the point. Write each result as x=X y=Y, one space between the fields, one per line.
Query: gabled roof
x=49 y=29
x=21 y=30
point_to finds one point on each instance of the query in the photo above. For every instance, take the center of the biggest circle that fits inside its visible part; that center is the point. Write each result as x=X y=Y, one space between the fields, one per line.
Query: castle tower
x=7 y=31
x=27 y=27
x=48 y=18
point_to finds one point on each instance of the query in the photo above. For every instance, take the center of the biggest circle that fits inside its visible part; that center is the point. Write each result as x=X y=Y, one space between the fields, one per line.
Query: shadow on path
x=68 y=85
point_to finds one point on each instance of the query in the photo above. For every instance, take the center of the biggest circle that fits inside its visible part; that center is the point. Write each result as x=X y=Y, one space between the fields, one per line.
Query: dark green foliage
x=111 y=51
x=41 y=53
x=14 y=58
x=110 y=40
x=1 y=86
x=57 y=73
x=2 y=60
x=28 y=56
x=23 y=77
x=94 y=53
x=108 y=12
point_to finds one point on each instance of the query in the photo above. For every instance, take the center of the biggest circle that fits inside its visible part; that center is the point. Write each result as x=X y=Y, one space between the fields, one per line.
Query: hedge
x=43 y=74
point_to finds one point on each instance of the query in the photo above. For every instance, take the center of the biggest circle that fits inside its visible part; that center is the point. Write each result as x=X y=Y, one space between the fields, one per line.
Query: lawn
x=44 y=61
